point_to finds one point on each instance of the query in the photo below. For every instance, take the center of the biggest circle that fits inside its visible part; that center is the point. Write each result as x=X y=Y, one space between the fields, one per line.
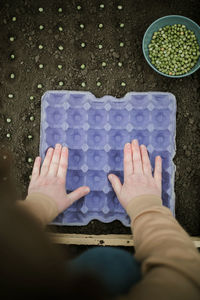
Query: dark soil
x=135 y=72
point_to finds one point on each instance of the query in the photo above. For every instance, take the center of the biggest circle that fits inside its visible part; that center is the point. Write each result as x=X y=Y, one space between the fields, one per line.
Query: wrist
x=42 y=206
x=142 y=203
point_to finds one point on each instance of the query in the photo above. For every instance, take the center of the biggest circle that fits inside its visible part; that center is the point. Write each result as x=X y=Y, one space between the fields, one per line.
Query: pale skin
x=50 y=178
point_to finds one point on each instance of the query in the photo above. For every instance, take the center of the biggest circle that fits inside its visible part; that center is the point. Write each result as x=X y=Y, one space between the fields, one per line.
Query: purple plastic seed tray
x=95 y=130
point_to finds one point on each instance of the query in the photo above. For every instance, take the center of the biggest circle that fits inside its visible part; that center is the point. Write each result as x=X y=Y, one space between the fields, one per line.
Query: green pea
x=60 y=47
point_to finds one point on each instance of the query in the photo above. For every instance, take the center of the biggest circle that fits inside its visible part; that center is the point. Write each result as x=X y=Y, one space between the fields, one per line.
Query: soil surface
x=20 y=97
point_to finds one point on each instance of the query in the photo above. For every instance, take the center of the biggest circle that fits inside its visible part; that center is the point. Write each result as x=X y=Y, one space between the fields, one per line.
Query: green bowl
x=164 y=21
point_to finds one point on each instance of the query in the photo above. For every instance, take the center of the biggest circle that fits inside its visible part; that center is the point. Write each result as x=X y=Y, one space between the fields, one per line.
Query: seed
x=82 y=45
x=119 y=7
x=101 y=5
x=12 y=56
x=60 y=48
x=173 y=49
x=30 y=136
x=121 y=44
x=31 y=98
x=82 y=26
x=30 y=177
x=41 y=27
x=103 y=64
x=12 y=38
x=60 y=9
x=83 y=84
x=121 y=25
x=78 y=7
x=123 y=83
x=41 y=9
x=41 y=66
x=119 y=64
x=100 y=25
x=39 y=86
x=29 y=160
x=4 y=157
x=60 y=28
x=40 y=47
x=82 y=66
x=32 y=118
x=12 y=75
x=8 y=120
x=14 y=19
x=98 y=83
x=61 y=83
x=10 y=96
x=8 y=135
x=59 y=67
x=100 y=46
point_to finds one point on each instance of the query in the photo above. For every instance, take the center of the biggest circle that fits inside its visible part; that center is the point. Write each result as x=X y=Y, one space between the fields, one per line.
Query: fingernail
x=135 y=142
x=127 y=145
x=87 y=189
x=110 y=176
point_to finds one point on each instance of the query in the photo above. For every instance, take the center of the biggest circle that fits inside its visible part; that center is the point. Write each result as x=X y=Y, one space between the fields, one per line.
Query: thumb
x=76 y=195
x=116 y=184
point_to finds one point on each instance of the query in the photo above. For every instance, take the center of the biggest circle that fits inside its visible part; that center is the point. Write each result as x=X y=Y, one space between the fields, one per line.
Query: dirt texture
x=22 y=19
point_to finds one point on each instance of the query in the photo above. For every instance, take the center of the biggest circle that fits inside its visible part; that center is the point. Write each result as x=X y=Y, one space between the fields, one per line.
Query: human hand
x=138 y=179
x=51 y=179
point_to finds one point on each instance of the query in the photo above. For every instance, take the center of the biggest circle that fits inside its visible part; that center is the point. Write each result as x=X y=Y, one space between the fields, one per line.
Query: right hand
x=138 y=179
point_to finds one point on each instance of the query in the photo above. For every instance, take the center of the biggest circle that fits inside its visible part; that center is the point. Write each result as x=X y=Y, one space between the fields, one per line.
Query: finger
x=158 y=172
x=76 y=195
x=137 y=161
x=46 y=162
x=62 y=169
x=36 y=168
x=128 y=161
x=116 y=184
x=145 y=160
x=53 y=168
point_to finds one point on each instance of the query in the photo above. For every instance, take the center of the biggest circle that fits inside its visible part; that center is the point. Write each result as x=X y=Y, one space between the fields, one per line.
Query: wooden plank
x=103 y=240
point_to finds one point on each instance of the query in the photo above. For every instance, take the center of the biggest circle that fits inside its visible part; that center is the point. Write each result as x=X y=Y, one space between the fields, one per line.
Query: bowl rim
x=161 y=73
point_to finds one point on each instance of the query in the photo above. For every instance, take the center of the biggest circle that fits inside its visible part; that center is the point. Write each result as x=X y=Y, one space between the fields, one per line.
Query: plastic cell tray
x=95 y=130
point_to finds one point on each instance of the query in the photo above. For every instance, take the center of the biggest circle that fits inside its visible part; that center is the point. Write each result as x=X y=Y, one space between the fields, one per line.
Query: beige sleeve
x=41 y=206
x=170 y=262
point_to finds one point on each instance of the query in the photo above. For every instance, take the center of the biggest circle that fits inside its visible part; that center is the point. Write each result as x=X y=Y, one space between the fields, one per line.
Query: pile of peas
x=174 y=50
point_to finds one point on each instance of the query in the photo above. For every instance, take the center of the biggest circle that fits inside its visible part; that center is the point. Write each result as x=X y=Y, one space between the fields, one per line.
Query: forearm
x=41 y=206
x=163 y=247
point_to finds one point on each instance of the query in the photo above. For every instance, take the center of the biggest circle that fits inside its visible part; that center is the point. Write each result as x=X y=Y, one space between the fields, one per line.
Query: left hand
x=51 y=179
